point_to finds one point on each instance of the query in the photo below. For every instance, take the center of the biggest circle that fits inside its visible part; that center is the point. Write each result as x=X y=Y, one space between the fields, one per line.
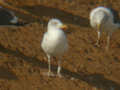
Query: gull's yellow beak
x=98 y=27
x=64 y=27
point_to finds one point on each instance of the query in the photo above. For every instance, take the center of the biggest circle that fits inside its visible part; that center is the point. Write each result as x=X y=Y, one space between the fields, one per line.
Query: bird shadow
x=96 y=80
x=7 y=74
x=66 y=17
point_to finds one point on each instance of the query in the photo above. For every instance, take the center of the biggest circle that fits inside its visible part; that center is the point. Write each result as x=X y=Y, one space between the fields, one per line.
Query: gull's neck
x=51 y=28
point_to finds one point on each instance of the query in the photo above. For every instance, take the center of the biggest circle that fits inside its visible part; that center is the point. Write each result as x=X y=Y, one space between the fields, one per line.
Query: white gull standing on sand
x=102 y=19
x=54 y=43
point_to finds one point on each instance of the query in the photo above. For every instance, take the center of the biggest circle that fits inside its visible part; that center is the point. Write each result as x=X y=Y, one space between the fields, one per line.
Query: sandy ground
x=85 y=66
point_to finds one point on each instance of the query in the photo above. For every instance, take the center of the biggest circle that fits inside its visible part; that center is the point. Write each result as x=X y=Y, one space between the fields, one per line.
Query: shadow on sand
x=66 y=17
x=7 y=74
x=97 y=80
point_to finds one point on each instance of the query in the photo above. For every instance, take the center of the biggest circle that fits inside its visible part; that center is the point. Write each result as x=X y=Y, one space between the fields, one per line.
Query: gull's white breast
x=54 y=42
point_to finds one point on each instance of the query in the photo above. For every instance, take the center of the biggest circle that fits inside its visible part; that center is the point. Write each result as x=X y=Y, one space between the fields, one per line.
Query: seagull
x=7 y=17
x=54 y=43
x=102 y=19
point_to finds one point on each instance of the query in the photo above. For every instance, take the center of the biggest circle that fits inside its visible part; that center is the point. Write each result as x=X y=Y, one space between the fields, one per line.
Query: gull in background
x=7 y=17
x=102 y=19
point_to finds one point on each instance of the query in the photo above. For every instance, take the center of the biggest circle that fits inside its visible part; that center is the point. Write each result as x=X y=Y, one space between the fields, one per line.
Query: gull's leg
x=108 y=41
x=49 y=73
x=59 y=68
x=49 y=64
x=98 y=40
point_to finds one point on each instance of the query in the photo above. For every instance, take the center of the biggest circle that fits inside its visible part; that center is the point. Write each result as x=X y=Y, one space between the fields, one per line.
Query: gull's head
x=101 y=18
x=56 y=24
